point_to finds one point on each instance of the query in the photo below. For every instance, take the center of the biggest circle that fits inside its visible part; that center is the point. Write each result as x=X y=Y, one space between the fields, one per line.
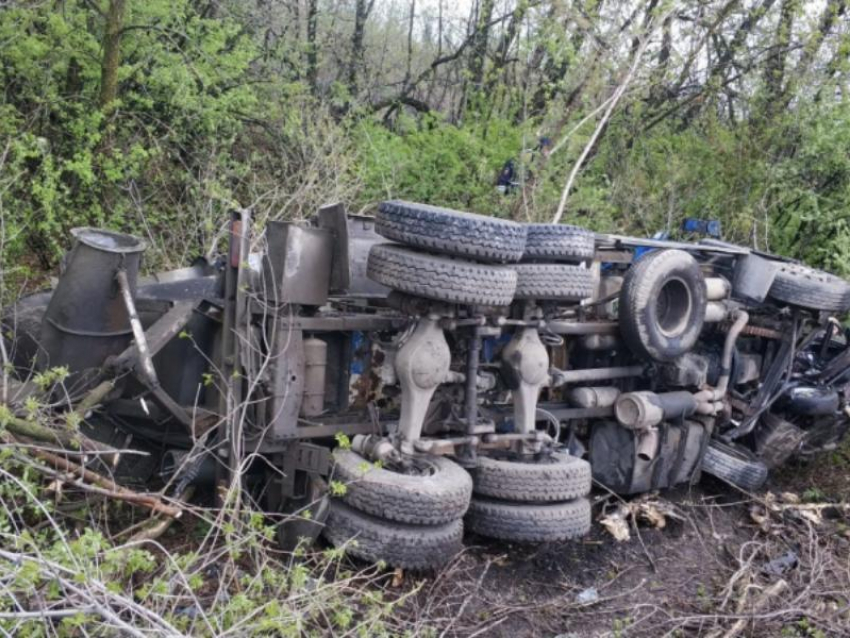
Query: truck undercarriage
x=392 y=380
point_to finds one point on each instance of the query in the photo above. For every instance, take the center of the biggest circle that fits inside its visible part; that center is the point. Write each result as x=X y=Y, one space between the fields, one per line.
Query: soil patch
x=698 y=576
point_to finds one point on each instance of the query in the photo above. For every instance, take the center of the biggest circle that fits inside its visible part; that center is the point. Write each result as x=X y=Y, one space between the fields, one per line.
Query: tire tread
x=441 y=278
x=566 y=478
x=398 y=544
x=451 y=232
x=423 y=500
x=529 y=523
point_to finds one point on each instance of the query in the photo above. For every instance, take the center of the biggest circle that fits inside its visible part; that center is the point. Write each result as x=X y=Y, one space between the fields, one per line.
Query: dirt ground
x=714 y=570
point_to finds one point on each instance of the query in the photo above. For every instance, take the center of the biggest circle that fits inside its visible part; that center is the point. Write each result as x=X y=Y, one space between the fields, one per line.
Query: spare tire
x=809 y=288
x=559 y=242
x=557 y=282
x=735 y=465
x=441 y=278
x=662 y=305
x=442 y=230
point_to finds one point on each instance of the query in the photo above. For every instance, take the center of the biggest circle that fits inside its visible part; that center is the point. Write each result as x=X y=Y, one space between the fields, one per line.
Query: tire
x=441 y=278
x=735 y=465
x=558 y=477
x=529 y=523
x=662 y=305
x=442 y=230
x=440 y=495
x=398 y=544
x=809 y=288
x=560 y=282
x=559 y=242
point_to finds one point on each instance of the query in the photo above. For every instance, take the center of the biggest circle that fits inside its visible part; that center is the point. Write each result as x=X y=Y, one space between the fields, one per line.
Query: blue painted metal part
x=710 y=227
x=360 y=352
x=640 y=252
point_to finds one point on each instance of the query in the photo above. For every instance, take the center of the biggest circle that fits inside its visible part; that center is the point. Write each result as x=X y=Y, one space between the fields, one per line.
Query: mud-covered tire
x=809 y=288
x=556 y=477
x=735 y=465
x=442 y=230
x=437 y=495
x=529 y=523
x=662 y=305
x=398 y=544
x=559 y=242
x=558 y=282
x=441 y=278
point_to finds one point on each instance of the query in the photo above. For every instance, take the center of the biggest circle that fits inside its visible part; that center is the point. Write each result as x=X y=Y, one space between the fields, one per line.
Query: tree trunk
x=407 y=72
x=362 y=10
x=111 y=54
x=658 y=84
x=505 y=43
x=479 y=45
x=312 y=47
x=774 y=76
x=834 y=10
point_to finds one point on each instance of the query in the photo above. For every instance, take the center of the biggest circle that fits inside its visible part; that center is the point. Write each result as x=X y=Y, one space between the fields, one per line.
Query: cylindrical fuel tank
x=315 y=369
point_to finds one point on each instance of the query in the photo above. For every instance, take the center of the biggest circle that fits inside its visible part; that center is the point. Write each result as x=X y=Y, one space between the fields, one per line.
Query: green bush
x=429 y=160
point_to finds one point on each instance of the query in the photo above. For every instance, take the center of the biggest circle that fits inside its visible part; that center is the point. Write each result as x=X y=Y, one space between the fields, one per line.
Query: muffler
x=86 y=320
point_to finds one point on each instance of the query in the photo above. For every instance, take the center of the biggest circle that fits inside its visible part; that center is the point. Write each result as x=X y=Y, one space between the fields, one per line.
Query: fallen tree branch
x=68 y=440
x=112 y=488
x=759 y=603
x=44 y=613
x=95 y=396
x=99 y=483
x=157 y=527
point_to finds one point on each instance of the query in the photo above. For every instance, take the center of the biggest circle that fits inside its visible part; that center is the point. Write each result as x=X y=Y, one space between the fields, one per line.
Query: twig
x=95 y=396
x=38 y=432
x=44 y=613
x=108 y=486
x=157 y=527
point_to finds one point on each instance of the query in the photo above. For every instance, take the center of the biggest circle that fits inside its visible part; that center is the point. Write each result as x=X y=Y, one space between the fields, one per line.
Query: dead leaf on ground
x=398 y=577
x=647 y=509
x=617 y=523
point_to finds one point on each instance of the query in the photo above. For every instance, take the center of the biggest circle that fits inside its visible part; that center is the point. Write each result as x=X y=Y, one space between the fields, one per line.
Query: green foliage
x=209 y=115
x=180 y=107
x=234 y=585
x=342 y=441
x=430 y=160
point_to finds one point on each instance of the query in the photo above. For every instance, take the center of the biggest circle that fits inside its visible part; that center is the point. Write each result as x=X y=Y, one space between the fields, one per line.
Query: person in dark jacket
x=507 y=180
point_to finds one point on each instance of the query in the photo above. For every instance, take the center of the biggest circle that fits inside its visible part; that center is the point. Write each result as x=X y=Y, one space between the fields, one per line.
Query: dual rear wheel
x=414 y=517
x=530 y=499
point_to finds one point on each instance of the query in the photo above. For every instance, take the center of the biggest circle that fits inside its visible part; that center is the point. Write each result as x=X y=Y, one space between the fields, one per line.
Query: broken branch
x=100 y=484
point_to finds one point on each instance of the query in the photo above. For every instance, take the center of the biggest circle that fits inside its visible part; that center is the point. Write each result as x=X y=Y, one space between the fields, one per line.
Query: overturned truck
x=390 y=381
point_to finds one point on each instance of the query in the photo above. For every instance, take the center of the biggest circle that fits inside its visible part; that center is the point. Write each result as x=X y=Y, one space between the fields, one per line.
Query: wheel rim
x=415 y=466
x=673 y=307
